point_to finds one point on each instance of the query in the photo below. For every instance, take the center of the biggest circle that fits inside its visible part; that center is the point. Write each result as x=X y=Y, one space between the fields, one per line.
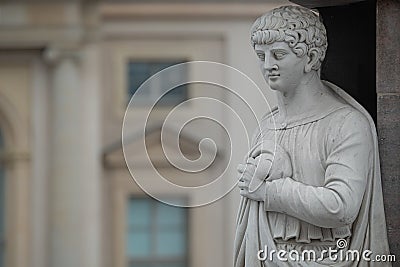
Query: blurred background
x=67 y=72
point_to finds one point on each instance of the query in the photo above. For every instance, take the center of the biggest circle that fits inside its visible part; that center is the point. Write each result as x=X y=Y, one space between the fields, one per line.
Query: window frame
x=122 y=188
x=155 y=260
x=158 y=89
x=118 y=53
x=143 y=50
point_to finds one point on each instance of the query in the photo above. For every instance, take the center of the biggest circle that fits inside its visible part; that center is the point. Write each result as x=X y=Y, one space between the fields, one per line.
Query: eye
x=279 y=54
x=261 y=56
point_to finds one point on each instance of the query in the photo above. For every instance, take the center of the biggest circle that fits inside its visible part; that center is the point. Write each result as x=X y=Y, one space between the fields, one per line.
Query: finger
x=251 y=161
x=242 y=185
x=244 y=192
x=250 y=169
x=241 y=167
x=240 y=177
x=245 y=177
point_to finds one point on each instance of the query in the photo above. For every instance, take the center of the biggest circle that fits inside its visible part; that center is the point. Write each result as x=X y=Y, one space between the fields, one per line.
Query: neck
x=308 y=94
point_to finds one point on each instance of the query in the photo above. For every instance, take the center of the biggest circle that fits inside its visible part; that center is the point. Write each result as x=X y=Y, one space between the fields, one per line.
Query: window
x=156 y=234
x=2 y=204
x=140 y=71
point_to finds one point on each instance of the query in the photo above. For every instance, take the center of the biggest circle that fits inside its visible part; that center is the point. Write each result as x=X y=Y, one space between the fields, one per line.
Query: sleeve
x=337 y=202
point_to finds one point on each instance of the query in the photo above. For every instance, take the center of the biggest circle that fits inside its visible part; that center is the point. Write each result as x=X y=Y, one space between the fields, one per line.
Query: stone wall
x=388 y=126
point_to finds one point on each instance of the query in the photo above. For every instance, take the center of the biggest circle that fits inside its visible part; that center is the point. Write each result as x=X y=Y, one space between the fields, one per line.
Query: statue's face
x=281 y=68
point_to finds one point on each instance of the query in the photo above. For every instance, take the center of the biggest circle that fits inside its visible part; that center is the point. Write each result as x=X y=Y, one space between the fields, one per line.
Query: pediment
x=174 y=144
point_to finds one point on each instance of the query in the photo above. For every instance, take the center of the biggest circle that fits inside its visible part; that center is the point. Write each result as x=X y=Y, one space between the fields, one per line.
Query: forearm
x=321 y=206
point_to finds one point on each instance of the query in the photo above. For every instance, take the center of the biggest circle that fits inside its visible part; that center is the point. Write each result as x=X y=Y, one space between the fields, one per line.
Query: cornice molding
x=122 y=11
x=325 y=3
x=8 y=158
x=53 y=54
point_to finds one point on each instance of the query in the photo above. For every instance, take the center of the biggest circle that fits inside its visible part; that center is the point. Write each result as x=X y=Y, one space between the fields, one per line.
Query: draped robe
x=334 y=191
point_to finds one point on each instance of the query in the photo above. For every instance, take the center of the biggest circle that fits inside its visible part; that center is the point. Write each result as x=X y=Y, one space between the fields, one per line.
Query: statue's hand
x=281 y=164
x=252 y=177
x=268 y=161
x=263 y=166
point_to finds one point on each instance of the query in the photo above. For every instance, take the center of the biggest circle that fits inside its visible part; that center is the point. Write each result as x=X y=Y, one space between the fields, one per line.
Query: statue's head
x=299 y=27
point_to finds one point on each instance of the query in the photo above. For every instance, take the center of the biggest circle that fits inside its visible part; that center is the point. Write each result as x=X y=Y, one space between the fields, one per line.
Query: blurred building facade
x=67 y=198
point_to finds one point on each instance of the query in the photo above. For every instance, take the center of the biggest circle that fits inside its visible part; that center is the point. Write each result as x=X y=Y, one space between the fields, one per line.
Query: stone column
x=39 y=201
x=74 y=182
x=388 y=90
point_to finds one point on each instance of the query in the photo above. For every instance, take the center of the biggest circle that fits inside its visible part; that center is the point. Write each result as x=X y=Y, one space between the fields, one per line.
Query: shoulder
x=348 y=116
x=270 y=114
x=262 y=125
x=267 y=120
x=349 y=125
x=352 y=112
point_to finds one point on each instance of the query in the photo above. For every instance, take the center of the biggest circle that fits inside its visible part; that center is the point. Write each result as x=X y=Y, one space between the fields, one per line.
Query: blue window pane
x=170 y=216
x=171 y=243
x=138 y=72
x=156 y=234
x=138 y=244
x=176 y=93
x=139 y=213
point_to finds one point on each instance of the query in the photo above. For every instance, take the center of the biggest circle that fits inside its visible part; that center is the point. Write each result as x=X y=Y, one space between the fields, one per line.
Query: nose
x=269 y=63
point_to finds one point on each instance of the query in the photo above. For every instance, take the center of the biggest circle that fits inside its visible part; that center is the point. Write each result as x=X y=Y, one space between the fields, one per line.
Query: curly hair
x=299 y=27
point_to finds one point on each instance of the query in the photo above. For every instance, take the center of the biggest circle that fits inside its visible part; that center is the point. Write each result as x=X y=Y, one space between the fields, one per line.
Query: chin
x=275 y=87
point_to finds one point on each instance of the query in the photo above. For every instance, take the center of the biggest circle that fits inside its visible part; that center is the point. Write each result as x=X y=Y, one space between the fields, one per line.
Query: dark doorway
x=350 y=60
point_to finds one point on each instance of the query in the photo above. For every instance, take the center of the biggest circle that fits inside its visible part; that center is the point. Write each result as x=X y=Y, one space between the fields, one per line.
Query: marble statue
x=312 y=176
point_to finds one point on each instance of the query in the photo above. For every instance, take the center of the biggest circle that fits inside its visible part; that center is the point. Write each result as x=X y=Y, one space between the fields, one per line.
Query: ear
x=312 y=59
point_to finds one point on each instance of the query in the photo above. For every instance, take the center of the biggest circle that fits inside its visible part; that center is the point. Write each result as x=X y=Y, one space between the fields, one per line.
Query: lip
x=273 y=76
